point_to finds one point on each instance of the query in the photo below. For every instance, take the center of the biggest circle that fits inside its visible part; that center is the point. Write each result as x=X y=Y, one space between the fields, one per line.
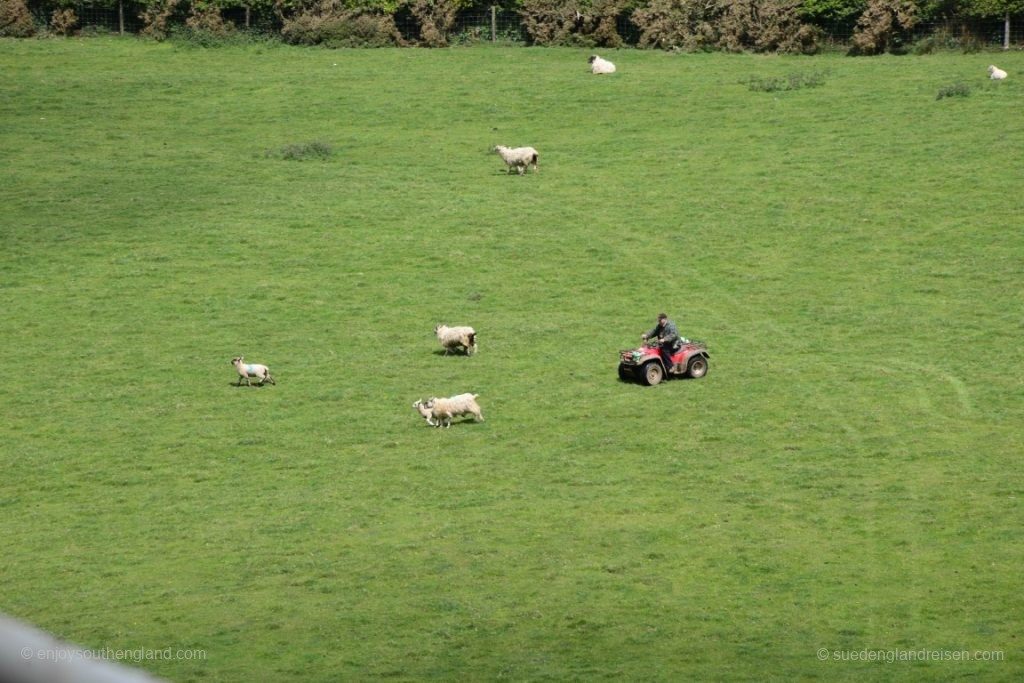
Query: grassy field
x=848 y=475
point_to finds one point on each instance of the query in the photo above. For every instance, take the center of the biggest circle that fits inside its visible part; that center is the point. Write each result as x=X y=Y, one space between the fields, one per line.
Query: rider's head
x=662 y=317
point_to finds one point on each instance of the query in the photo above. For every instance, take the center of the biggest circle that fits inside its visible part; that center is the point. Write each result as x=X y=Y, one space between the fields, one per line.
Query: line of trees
x=734 y=25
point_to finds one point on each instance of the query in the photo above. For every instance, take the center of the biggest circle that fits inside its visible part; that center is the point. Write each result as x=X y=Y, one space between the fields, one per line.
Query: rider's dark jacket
x=667 y=332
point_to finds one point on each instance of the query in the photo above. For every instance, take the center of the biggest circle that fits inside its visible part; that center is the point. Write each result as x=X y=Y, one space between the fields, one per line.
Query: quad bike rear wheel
x=652 y=373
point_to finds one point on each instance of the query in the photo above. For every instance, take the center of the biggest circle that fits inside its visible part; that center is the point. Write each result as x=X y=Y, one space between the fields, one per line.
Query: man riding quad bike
x=664 y=354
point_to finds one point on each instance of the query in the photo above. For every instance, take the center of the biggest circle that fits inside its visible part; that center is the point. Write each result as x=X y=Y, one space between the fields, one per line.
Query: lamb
x=995 y=73
x=247 y=370
x=600 y=66
x=426 y=411
x=519 y=158
x=456 y=337
x=444 y=409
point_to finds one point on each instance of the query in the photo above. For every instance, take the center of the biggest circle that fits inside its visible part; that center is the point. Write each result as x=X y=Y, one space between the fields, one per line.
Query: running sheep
x=247 y=370
x=995 y=73
x=455 y=338
x=600 y=66
x=519 y=158
x=444 y=409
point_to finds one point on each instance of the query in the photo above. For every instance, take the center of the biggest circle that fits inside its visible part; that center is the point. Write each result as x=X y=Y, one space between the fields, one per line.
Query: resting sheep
x=444 y=409
x=518 y=158
x=247 y=370
x=600 y=66
x=456 y=337
x=995 y=73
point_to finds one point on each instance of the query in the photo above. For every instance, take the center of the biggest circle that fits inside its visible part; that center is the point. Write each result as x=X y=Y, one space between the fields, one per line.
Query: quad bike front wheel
x=626 y=372
x=698 y=367
x=652 y=373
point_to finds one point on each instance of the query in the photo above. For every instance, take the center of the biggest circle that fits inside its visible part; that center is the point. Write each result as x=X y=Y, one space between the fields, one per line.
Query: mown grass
x=846 y=477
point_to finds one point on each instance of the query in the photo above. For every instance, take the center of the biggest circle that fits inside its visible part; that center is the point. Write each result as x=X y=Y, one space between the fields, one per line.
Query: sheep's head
x=237 y=359
x=592 y=58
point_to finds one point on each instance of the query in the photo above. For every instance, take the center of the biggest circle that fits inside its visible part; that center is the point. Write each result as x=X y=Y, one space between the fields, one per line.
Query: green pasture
x=847 y=477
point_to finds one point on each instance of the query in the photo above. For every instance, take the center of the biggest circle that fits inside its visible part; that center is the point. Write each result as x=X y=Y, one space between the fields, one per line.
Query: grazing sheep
x=600 y=66
x=518 y=158
x=456 y=337
x=444 y=409
x=247 y=370
x=995 y=73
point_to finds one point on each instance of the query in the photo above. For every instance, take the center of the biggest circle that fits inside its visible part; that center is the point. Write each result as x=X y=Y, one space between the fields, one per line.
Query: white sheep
x=425 y=411
x=600 y=66
x=247 y=370
x=995 y=73
x=463 y=337
x=519 y=158
x=444 y=409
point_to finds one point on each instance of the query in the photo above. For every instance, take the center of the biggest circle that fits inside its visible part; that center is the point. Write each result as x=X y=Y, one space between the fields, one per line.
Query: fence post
x=247 y=16
x=1006 y=31
x=494 y=23
x=120 y=16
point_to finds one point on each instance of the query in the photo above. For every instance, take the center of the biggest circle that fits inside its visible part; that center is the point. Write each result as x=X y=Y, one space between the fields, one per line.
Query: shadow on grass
x=461 y=423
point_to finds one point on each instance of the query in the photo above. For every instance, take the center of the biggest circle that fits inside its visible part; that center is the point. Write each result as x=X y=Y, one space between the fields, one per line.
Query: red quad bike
x=646 y=365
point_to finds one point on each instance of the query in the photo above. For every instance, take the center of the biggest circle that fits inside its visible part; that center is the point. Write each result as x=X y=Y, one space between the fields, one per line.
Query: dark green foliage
x=156 y=18
x=551 y=22
x=186 y=36
x=676 y=24
x=884 y=26
x=572 y=22
x=732 y=25
x=94 y=31
x=354 y=28
x=954 y=90
x=436 y=19
x=765 y=26
x=63 y=21
x=476 y=35
x=15 y=19
x=832 y=11
x=206 y=18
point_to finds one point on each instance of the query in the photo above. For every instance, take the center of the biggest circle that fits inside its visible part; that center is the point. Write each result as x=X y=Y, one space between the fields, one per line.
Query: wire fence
x=505 y=26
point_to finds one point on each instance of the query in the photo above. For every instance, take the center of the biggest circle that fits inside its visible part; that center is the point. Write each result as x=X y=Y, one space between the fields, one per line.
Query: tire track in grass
x=963 y=393
x=774 y=328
